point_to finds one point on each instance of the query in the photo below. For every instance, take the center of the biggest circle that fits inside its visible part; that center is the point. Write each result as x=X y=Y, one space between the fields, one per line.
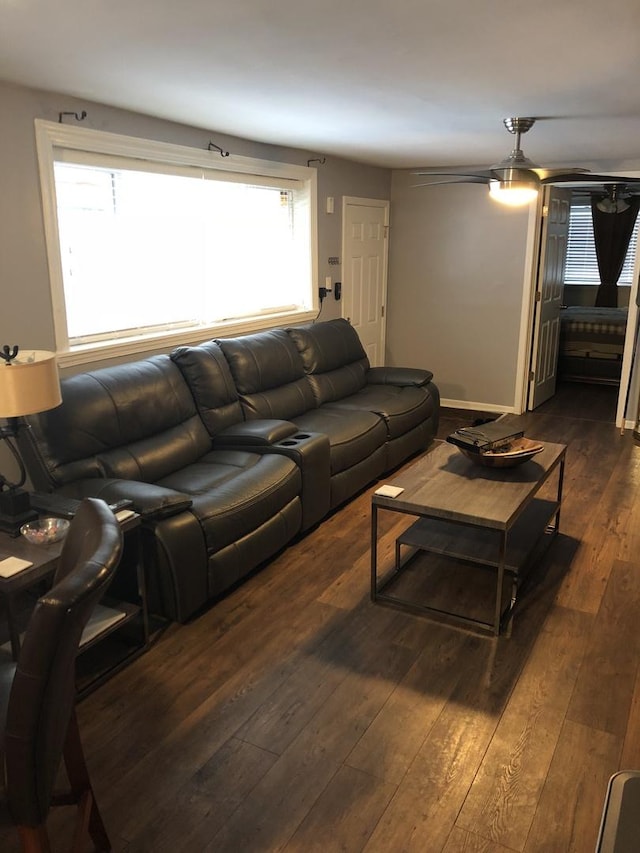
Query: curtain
x=611 y=234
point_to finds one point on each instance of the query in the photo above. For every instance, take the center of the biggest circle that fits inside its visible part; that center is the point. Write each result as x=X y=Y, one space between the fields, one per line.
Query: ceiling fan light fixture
x=513 y=185
x=513 y=193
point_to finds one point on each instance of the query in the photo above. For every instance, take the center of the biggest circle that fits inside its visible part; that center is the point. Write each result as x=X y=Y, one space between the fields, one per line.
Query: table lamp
x=29 y=383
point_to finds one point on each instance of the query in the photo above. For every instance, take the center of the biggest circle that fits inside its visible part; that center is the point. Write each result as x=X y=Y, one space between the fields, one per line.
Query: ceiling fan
x=615 y=198
x=516 y=179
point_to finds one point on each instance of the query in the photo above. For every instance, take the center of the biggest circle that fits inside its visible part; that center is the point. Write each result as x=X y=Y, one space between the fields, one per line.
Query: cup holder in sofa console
x=293 y=441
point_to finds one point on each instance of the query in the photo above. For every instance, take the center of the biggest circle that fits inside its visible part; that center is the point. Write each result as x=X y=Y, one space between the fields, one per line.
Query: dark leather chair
x=37 y=695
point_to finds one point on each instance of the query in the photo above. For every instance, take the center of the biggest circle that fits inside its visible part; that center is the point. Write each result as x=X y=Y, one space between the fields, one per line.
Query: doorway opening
x=580 y=350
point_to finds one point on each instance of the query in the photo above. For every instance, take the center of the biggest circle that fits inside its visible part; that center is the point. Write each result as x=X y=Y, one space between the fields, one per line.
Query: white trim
x=44 y=150
x=187 y=337
x=630 y=365
x=479 y=407
x=529 y=285
x=367 y=202
x=86 y=139
x=629 y=354
x=51 y=135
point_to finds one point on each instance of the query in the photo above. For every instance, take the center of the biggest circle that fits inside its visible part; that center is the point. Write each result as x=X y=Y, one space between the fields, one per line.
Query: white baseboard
x=478 y=407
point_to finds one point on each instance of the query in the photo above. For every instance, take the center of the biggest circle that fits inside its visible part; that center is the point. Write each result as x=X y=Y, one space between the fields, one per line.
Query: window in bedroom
x=581 y=265
x=154 y=243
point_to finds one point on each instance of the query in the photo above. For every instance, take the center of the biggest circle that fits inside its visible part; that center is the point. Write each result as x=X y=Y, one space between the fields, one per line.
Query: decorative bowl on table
x=515 y=453
x=45 y=531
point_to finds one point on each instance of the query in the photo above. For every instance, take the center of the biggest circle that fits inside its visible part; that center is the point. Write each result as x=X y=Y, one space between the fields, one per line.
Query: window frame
x=51 y=136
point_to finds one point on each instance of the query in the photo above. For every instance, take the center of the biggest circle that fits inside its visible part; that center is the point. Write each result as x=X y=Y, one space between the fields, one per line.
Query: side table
x=44 y=559
x=124 y=606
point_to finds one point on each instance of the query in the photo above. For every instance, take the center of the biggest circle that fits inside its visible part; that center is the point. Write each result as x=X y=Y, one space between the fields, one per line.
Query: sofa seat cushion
x=402 y=408
x=353 y=435
x=233 y=492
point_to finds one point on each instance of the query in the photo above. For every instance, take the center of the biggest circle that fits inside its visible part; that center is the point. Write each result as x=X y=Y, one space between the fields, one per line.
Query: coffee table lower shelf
x=508 y=552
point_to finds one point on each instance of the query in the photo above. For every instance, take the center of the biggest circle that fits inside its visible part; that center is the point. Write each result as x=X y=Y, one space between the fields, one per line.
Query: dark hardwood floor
x=296 y=715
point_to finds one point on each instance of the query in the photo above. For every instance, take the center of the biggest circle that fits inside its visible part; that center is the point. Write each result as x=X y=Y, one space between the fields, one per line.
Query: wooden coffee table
x=491 y=517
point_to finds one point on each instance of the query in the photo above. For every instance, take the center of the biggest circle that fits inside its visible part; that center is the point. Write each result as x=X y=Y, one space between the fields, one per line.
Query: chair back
x=43 y=690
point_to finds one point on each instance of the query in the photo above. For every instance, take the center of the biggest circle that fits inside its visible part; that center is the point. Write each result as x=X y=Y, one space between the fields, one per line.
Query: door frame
x=541 y=270
x=384 y=204
x=527 y=314
x=629 y=366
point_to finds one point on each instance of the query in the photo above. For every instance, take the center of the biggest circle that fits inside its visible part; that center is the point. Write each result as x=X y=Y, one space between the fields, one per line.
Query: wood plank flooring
x=295 y=715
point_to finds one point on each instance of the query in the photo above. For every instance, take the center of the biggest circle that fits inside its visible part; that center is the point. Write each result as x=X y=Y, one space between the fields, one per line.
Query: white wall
x=456 y=286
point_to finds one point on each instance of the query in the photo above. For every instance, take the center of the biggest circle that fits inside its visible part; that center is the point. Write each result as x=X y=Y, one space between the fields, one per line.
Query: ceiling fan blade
x=589 y=178
x=454 y=179
x=545 y=174
x=485 y=174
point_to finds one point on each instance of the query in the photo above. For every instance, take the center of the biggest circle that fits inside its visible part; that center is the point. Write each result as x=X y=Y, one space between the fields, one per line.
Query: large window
x=581 y=265
x=150 y=242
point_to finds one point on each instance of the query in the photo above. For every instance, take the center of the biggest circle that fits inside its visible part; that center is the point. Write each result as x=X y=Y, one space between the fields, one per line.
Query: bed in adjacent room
x=591 y=343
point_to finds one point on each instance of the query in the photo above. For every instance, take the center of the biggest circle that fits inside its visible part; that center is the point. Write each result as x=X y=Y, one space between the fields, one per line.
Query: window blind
x=581 y=265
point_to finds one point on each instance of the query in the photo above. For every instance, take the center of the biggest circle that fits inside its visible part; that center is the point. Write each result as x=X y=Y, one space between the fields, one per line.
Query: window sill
x=147 y=344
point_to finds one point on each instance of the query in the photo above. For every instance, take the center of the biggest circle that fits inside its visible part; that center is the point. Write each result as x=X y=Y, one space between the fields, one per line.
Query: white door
x=549 y=289
x=365 y=240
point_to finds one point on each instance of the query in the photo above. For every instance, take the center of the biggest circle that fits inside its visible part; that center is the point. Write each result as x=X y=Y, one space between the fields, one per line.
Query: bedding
x=591 y=343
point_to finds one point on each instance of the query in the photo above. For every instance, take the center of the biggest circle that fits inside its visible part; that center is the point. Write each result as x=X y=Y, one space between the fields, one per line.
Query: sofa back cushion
x=207 y=374
x=136 y=421
x=333 y=358
x=269 y=375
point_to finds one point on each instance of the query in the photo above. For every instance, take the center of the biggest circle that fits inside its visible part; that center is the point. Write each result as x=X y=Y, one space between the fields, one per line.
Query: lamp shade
x=29 y=383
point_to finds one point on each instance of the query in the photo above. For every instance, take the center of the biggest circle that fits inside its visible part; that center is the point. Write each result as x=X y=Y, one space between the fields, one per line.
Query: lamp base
x=15 y=510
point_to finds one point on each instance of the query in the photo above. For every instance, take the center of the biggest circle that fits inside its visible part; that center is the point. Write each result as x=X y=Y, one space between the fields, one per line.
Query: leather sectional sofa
x=230 y=449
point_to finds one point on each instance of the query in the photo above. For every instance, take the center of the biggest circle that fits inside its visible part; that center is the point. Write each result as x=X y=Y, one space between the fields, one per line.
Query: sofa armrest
x=254 y=434
x=398 y=376
x=150 y=501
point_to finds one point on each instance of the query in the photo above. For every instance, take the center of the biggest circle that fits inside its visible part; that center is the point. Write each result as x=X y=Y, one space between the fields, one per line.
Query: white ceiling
x=398 y=83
